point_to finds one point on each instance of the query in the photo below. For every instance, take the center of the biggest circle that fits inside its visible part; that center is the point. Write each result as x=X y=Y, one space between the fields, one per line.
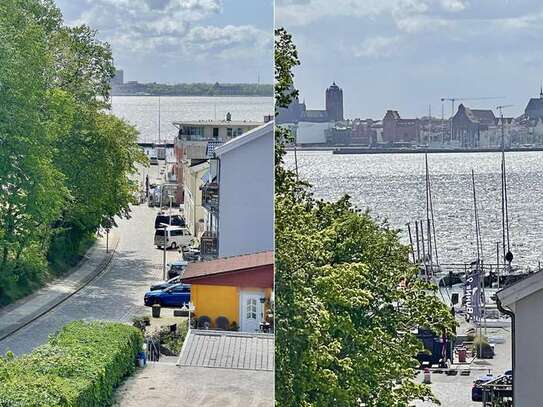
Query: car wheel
x=174 y=245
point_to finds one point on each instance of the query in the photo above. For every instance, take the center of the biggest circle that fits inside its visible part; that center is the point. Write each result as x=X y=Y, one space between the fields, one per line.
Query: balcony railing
x=210 y=196
x=209 y=245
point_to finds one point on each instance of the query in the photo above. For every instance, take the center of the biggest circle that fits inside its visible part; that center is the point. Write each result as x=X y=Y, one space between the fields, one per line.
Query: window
x=176 y=232
x=216 y=133
x=250 y=312
x=240 y=131
x=229 y=132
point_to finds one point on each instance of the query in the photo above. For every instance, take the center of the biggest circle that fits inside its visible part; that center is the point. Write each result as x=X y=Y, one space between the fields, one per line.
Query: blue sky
x=183 y=40
x=407 y=54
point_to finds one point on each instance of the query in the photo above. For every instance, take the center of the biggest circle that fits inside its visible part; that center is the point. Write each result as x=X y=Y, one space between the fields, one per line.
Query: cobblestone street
x=116 y=294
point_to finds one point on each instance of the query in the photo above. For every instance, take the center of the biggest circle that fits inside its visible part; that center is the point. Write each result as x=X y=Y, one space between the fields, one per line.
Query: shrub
x=78 y=367
x=482 y=348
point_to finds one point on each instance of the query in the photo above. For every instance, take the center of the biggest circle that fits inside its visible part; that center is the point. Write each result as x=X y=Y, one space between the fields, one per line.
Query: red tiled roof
x=228 y=264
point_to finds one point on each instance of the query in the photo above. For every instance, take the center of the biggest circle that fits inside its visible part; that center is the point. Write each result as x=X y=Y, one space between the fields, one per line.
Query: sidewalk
x=19 y=314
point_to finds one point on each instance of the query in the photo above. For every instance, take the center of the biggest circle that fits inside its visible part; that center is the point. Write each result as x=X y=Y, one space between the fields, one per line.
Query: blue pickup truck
x=174 y=296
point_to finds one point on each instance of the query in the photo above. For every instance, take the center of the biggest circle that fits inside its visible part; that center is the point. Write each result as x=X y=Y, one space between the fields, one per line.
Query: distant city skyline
x=406 y=55
x=181 y=41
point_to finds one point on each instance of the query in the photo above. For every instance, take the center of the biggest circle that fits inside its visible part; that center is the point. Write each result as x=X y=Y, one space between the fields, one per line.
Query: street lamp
x=165 y=229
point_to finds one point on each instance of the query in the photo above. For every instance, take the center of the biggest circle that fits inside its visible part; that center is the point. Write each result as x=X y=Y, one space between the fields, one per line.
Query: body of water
x=142 y=111
x=392 y=186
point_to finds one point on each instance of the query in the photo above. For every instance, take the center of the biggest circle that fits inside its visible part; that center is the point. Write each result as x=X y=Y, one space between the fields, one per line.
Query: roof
x=392 y=114
x=228 y=350
x=484 y=116
x=229 y=264
x=534 y=104
x=521 y=289
x=261 y=131
x=481 y=116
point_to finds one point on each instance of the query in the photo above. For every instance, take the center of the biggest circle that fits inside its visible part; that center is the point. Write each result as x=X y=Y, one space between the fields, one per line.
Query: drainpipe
x=512 y=315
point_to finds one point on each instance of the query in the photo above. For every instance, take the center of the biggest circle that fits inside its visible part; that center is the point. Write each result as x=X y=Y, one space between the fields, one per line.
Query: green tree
x=65 y=163
x=347 y=299
x=31 y=187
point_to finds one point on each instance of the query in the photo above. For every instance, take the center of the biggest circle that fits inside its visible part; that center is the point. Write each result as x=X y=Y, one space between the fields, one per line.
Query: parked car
x=176 y=220
x=191 y=253
x=175 y=296
x=177 y=268
x=162 y=285
x=153 y=160
x=172 y=237
x=477 y=390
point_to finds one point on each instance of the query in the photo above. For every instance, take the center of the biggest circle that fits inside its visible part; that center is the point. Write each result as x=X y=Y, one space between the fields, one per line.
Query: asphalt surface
x=116 y=294
x=455 y=391
x=165 y=385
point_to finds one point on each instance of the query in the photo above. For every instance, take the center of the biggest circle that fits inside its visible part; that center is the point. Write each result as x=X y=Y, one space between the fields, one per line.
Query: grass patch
x=78 y=367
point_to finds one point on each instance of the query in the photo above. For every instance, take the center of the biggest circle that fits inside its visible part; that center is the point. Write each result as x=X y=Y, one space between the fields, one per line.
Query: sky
x=408 y=54
x=175 y=41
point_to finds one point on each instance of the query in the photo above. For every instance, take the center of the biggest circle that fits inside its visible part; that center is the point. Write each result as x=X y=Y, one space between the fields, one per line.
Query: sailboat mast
x=159 y=119
x=428 y=225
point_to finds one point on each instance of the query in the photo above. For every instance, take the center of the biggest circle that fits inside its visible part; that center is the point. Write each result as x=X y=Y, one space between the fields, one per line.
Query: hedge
x=78 y=367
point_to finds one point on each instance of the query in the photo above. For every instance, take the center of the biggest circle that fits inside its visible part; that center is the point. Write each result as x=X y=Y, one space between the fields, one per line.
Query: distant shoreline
x=357 y=150
x=191 y=96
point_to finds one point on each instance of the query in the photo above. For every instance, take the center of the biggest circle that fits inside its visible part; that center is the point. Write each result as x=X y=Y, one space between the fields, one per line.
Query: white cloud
x=454 y=5
x=378 y=47
x=175 y=28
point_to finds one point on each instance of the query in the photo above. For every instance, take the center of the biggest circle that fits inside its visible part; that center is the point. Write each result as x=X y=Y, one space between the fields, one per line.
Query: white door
x=251 y=311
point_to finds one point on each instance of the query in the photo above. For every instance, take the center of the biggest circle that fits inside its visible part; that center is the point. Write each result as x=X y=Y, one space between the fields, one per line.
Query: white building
x=312 y=133
x=193 y=210
x=525 y=300
x=239 y=195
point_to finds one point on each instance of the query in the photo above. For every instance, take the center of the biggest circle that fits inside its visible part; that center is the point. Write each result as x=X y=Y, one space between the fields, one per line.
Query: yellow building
x=194 y=212
x=236 y=289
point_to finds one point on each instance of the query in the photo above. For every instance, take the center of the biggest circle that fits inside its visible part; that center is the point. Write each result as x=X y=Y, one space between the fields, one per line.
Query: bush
x=78 y=367
x=482 y=348
x=173 y=341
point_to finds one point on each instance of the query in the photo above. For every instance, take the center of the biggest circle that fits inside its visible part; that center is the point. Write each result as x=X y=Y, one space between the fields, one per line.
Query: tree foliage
x=64 y=161
x=348 y=299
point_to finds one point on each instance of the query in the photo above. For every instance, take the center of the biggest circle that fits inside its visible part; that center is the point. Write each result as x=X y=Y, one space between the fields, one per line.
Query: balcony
x=209 y=245
x=210 y=197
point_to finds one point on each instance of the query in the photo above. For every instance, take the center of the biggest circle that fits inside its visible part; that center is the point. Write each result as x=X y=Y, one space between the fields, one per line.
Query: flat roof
x=228 y=350
x=217 y=123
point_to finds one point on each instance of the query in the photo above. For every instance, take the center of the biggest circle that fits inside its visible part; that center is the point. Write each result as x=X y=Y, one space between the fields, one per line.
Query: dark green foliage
x=64 y=161
x=348 y=299
x=78 y=367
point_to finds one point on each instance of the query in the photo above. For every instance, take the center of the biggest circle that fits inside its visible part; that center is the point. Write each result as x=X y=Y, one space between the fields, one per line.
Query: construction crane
x=502 y=107
x=452 y=100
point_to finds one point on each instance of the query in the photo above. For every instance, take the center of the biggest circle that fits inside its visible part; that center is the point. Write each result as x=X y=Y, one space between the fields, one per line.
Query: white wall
x=246 y=198
x=307 y=133
x=529 y=351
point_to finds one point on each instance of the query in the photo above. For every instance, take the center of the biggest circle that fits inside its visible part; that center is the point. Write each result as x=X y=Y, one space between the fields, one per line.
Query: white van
x=176 y=237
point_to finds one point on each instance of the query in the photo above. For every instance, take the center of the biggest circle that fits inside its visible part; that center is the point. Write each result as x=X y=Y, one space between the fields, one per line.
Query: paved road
x=115 y=295
x=167 y=385
x=455 y=391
